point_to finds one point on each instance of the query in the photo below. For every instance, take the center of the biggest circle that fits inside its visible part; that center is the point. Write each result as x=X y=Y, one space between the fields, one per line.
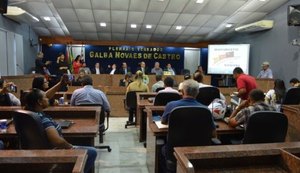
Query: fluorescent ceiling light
x=228 y=25
x=148 y=26
x=102 y=24
x=160 y=0
x=133 y=25
x=178 y=27
x=262 y=0
x=47 y=18
x=199 y=1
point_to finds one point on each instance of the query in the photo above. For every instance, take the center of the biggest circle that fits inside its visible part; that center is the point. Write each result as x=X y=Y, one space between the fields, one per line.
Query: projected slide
x=222 y=59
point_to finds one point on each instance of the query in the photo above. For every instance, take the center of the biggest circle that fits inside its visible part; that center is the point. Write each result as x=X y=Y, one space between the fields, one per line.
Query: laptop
x=64 y=124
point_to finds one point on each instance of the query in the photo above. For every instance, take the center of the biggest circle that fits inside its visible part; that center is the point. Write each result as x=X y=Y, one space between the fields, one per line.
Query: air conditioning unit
x=20 y=15
x=256 y=26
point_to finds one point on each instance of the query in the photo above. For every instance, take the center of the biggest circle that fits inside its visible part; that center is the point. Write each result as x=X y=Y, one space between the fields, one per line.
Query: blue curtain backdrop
x=132 y=55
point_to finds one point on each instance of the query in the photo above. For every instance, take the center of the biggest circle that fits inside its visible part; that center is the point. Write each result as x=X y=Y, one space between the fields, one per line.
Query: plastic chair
x=160 y=88
x=163 y=98
x=188 y=126
x=30 y=130
x=266 y=127
x=292 y=97
x=131 y=104
x=207 y=95
x=102 y=127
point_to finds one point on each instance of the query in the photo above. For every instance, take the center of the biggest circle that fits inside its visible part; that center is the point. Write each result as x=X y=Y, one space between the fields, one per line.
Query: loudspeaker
x=3 y=6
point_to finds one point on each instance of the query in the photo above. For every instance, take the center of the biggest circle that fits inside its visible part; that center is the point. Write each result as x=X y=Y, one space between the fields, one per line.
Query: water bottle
x=3 y=125
x=61 y=101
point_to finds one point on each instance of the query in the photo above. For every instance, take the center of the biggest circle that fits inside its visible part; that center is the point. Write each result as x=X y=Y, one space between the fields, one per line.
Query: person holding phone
x=42 y=84
x=7 y=98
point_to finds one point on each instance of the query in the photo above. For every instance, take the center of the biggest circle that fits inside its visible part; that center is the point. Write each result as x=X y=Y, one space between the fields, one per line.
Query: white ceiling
x=200 y=22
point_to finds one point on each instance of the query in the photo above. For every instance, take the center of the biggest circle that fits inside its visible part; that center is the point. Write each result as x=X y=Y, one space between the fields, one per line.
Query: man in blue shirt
x=266 y=72
x=88 y=94
x=190 y=89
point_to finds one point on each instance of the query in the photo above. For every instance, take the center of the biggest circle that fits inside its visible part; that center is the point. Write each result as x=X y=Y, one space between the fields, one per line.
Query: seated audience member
x=85 y=68
x=199 y=69
x=97 y=69
x=255 y=103
x=88 y=94
x=266 y=72
x=126 y=81
x=198 y=76
x=143 y=68
x=185 y=77
x=294 y=82
x=78 y=81
x=41 y=83
x=189 y=93
x=112 y=69
x=77 y=64
x=40 y=66
x=138 y=84
x=245 y=83
x=7 y=98
x=37 y=101
x=159 y=83
x=275 y=96
x=169 y=84
x=156 y=69
x=124 y=69
x=170 y=69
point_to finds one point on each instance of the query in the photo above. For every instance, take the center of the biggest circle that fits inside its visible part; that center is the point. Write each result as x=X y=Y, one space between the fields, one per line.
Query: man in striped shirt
x=255 y=103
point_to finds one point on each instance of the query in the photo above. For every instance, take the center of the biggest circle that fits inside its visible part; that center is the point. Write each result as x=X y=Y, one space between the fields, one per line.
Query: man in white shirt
x=97 y=69
x=170 y=69
x=266 y=72
x=6 y=98
x=113 y=69
x=169 y=83
x=159 y=83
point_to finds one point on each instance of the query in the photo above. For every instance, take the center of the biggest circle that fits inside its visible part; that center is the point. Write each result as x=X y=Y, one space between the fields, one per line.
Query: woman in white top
x=276 y=95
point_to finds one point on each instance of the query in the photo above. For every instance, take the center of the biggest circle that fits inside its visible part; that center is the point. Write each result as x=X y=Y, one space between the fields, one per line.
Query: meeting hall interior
x=149 y=86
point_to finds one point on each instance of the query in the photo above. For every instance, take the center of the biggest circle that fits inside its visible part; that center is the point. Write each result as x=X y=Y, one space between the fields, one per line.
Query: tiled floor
x=127 y=155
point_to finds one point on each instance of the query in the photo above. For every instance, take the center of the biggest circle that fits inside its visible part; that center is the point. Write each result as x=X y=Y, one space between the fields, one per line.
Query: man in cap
x=266 y=72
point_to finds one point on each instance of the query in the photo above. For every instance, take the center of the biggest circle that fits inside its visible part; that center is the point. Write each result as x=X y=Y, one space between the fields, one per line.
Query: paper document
x=160 y=125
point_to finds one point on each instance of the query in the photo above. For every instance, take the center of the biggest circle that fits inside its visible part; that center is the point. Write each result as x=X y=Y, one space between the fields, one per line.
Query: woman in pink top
x=76 y=64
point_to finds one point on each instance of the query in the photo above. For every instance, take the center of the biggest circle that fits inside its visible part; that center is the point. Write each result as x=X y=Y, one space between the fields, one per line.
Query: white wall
x=274 y=46
x=11 y=53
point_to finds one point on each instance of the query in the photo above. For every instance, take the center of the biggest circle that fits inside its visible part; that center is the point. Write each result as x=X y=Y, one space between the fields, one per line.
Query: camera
x=12 y=88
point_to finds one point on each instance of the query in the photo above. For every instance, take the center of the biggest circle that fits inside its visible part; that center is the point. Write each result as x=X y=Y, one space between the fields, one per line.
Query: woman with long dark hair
x=276 y=95
x=77 y=64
